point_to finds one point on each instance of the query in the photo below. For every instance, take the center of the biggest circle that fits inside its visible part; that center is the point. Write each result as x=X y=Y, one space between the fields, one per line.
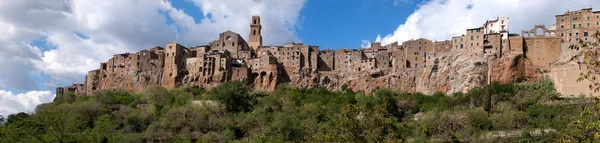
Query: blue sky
x=335 y=25
x=47 y=44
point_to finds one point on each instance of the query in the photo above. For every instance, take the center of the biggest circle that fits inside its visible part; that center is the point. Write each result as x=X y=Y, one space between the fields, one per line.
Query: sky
x=47 y=44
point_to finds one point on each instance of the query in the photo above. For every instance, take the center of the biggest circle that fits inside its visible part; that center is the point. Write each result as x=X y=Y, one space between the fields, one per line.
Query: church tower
x=255 y=35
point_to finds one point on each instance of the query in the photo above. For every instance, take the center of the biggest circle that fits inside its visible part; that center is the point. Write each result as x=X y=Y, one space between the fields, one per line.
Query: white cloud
x=10 y=103
x=442 y=19
x=278 y=18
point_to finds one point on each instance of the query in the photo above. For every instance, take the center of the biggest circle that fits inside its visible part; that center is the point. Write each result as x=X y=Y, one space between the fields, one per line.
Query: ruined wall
x=91 y=82
x=516 y=44
x=542 y=51
x=240 y=74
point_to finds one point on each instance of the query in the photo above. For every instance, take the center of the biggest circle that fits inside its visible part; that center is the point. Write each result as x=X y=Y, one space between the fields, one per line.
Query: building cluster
x=230 y=57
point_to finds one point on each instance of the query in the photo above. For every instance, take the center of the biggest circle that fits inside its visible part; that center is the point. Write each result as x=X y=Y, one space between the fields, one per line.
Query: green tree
x=16 y=117
x=234 y=95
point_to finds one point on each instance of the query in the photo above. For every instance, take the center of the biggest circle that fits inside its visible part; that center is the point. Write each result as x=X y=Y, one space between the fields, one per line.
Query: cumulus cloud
x=26 y=102
x=442 y=19
x=279 y=19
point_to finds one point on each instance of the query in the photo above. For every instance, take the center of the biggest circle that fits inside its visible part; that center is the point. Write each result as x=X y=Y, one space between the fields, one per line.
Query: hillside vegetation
x=233 y=112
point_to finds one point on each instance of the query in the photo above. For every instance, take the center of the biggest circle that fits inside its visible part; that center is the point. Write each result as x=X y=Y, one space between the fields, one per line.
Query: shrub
x=119 y=97
x=479 y=120
x=67 y=97
x=235 y=95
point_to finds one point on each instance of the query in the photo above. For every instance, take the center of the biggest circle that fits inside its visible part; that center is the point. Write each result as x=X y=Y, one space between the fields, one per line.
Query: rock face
x=447 y=73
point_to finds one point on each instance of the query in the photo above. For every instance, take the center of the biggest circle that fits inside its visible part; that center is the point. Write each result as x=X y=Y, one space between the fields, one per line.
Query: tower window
x=254 y=32
x=255 y=21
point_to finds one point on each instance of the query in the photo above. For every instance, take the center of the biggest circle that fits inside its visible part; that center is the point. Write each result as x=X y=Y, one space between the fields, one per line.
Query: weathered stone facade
x=484 y=54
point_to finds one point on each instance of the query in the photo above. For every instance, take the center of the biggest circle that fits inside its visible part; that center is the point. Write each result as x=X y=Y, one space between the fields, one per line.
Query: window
x=461 y=46
x=570 y=34
x=588 y=24
x=574 y=26
x=585 y=34
x=562 y=26
x=588 y=17
x=471 y=38
x=574 y=18
x=579 y=24
x=562 y=20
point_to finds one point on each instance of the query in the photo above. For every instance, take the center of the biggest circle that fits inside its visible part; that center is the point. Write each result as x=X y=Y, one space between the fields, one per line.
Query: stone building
x=255 y=41
x=458 y=43
x=234 y=43
x=416 y=52
x=174 y=64
x=397 y=57
x=379 y=54
x=579 y=24
x=326 y=60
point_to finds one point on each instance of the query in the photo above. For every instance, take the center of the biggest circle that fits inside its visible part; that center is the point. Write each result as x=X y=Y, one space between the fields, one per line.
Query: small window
x=562 y=20
x=562 y=26
x=585 y=34
x=574 y=26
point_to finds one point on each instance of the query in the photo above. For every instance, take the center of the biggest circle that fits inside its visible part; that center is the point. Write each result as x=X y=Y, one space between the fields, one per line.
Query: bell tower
x=255 y=34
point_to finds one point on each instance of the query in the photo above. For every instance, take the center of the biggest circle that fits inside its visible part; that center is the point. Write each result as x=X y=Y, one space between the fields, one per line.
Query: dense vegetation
x=233 y=112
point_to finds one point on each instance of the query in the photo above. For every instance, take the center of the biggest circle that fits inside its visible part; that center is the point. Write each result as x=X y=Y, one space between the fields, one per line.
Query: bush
x=67 y=97
x=479 y=120
x=119 y=97
x=235 y=95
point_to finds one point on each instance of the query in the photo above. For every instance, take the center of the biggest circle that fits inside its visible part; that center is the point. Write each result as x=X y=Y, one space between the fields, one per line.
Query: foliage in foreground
x=233 y=112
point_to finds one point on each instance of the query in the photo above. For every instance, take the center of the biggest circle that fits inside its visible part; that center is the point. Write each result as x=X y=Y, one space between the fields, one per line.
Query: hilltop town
x=482 y=55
